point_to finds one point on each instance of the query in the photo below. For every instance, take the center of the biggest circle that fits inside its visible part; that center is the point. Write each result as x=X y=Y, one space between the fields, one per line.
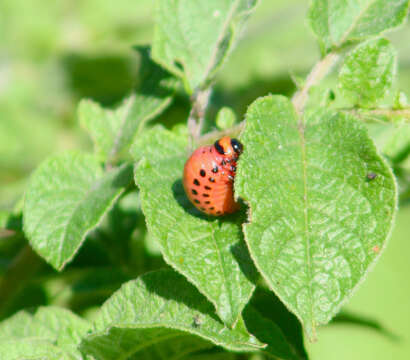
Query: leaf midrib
x=301 y=132
x=354 y=23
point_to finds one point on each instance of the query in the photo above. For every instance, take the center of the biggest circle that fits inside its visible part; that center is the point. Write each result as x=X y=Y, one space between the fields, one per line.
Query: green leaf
x=209 y=251
x=113 y=130
x=318 y=220
x=160 y=312
x=193 y=37
x=66 y=198
x=226 y=118
x=32 y=349
x=50 y=333
x=368 y=72
x=337 y=22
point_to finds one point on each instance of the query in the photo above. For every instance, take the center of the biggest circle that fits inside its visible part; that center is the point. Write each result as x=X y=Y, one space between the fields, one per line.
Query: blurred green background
x=55 y=52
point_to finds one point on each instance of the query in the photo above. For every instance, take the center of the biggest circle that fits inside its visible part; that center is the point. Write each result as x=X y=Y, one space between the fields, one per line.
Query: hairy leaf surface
x=193 y=37
x=322 y=202
x=50 y=333
x=368 y=72
x=161 y=311
x=209 y=251
x=337 y=22
x=67 y=197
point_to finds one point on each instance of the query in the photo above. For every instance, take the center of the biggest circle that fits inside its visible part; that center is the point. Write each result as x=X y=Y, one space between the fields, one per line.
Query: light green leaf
x=322 y=203
x=337 y=22
x=67 y=197
x=209 y=251
x=160 y=311
x=368 y=72
x=32 y=349
x=113 y=130
x=22 y=325
x=226 y=118
x=193 y=37
x=51 y=333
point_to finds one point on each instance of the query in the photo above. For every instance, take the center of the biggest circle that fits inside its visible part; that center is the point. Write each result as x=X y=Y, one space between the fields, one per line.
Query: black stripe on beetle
x=207 y=187
x=219 y=148
x=205 y=195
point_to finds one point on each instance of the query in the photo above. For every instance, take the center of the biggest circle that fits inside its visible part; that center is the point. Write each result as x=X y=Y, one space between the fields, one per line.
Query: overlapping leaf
x=193 y=37
x=210 y=252
x=51 y=333
x=368 y=72
x=322 y=202
x=337 y=22
x=66 y=198
x=113 y=130
x=161 y=312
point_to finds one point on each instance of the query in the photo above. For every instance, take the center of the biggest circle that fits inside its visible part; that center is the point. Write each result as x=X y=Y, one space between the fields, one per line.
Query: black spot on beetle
x=218 y=213
x=197 y=201
x=205 y=195
x=202 y=172
x=215 y=169
x=233 y=168
x=207 y=187
x=207 y=202
x=211 y=179
x=237 y=146
x=212 y=208
x=203 y=209
x=196 y=182
x=194 y=192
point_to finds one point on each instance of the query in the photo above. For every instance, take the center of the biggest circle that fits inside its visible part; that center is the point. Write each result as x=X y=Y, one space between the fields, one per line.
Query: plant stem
x=404 y=113
x=196 y=117
x=319 y=71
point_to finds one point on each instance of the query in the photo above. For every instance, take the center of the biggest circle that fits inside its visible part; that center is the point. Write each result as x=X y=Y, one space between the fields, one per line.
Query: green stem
x=366 y=114
x=319 y=71
x=196 y=117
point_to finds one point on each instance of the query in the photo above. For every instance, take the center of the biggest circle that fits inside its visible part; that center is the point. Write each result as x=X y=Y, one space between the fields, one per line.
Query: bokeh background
x=55 y=52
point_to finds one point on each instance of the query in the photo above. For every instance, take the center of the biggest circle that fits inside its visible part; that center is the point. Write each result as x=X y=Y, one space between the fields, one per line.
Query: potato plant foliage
x=318 y=199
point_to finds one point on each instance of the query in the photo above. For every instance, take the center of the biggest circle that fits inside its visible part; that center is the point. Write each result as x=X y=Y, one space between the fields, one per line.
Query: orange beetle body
x=209 y=175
